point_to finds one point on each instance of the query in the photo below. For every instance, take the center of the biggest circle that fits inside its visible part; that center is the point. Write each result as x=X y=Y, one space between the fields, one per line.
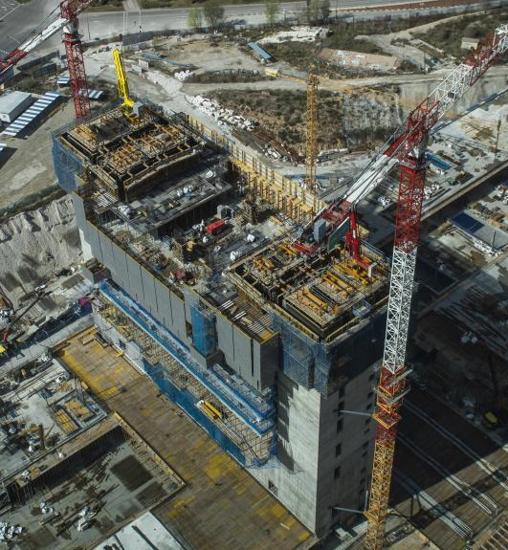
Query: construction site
x=69 y=470
x=221 y=336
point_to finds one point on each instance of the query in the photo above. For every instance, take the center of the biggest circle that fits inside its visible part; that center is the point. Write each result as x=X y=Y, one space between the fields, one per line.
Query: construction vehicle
x=121 y=81
x=67 y=19
x=209 y=409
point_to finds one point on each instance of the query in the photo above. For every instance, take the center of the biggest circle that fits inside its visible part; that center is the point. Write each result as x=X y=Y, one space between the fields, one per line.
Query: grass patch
x=231 y=75
x=342 y=34
x=299 y=54
x=106 y=5
x=304 y=55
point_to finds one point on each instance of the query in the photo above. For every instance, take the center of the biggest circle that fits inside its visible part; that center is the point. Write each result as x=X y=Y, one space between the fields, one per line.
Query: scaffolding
x=67 y=165
x=245 y=426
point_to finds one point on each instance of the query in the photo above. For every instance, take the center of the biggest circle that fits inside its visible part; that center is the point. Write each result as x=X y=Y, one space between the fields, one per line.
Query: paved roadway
x=109 y=24
x=17 y=23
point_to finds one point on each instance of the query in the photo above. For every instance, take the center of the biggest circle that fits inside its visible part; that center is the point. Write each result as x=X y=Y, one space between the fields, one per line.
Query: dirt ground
x=208 y=56
x=344 y=120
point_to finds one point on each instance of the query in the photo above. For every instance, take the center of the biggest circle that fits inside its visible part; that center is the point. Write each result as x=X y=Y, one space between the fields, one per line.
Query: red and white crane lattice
x=406 y=148
x=68 y=21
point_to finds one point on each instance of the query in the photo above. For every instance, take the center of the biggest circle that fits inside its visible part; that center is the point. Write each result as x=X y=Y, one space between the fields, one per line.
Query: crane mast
x=311 y=130
x=68 y=21
x=69 y=10
x=121 y=80
x=408 y=148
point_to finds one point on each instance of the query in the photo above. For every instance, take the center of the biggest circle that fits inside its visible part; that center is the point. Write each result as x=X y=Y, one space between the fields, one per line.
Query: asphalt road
x=17 y=23
x=111 y=23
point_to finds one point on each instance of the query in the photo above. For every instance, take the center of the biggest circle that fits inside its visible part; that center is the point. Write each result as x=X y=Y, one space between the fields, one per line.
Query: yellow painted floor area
x=221 y=506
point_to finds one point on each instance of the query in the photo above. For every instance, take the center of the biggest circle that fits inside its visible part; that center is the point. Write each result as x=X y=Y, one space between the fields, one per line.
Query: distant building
x=260 y=52
x=348 y=58
x=12 y=104
x=469 y=43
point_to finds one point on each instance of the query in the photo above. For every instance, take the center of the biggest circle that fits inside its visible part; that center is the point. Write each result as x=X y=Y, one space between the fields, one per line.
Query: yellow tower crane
x=311 y=149
x=121 y=80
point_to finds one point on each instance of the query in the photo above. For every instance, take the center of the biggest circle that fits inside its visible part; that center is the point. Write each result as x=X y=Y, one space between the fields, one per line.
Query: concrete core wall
x=323 y=456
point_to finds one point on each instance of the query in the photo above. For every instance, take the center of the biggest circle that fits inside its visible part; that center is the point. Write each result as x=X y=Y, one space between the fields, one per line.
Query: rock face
x=36 y=244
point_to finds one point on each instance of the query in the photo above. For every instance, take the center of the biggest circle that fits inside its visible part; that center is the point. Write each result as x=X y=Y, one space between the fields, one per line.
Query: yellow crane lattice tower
x=311 y=149
x=121 y=80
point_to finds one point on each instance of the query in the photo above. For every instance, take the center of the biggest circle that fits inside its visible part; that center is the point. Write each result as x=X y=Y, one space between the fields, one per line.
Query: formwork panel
x=191 y=299
x=92 y=237
x=107 y=252
x=79 y=210
x=165 y=314
x=225 y=339
x=178 y=309
x=149 y=299
x=135 y=280
x=204 y=335
x=266 y=361
x=120 y=265
x=243 y=356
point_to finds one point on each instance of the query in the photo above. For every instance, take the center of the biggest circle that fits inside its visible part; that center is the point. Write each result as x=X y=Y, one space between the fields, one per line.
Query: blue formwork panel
x=204 y=336
x=67 y=166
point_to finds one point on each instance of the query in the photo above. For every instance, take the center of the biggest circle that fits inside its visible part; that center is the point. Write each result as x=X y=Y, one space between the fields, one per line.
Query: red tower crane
x=405 y=148
x=408 y=149
x=68 y=21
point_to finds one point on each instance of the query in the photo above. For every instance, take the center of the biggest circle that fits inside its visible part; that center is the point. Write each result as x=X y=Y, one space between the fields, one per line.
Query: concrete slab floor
x=221 y=505
x=117 y=487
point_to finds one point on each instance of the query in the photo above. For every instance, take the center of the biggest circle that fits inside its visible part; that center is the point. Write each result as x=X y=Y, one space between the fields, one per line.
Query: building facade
x=271 y=352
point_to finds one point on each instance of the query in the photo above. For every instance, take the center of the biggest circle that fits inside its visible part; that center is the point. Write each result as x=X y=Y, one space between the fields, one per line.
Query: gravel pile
x=34 y=245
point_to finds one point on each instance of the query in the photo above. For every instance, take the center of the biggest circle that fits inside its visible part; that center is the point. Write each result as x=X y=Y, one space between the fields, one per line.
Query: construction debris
x=224 y=117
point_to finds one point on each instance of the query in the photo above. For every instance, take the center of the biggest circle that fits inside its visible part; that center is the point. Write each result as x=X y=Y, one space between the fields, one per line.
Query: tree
x=313 y=10
x=272 y=9
x=214 y=13
x=195 y=18
x=324 y=9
